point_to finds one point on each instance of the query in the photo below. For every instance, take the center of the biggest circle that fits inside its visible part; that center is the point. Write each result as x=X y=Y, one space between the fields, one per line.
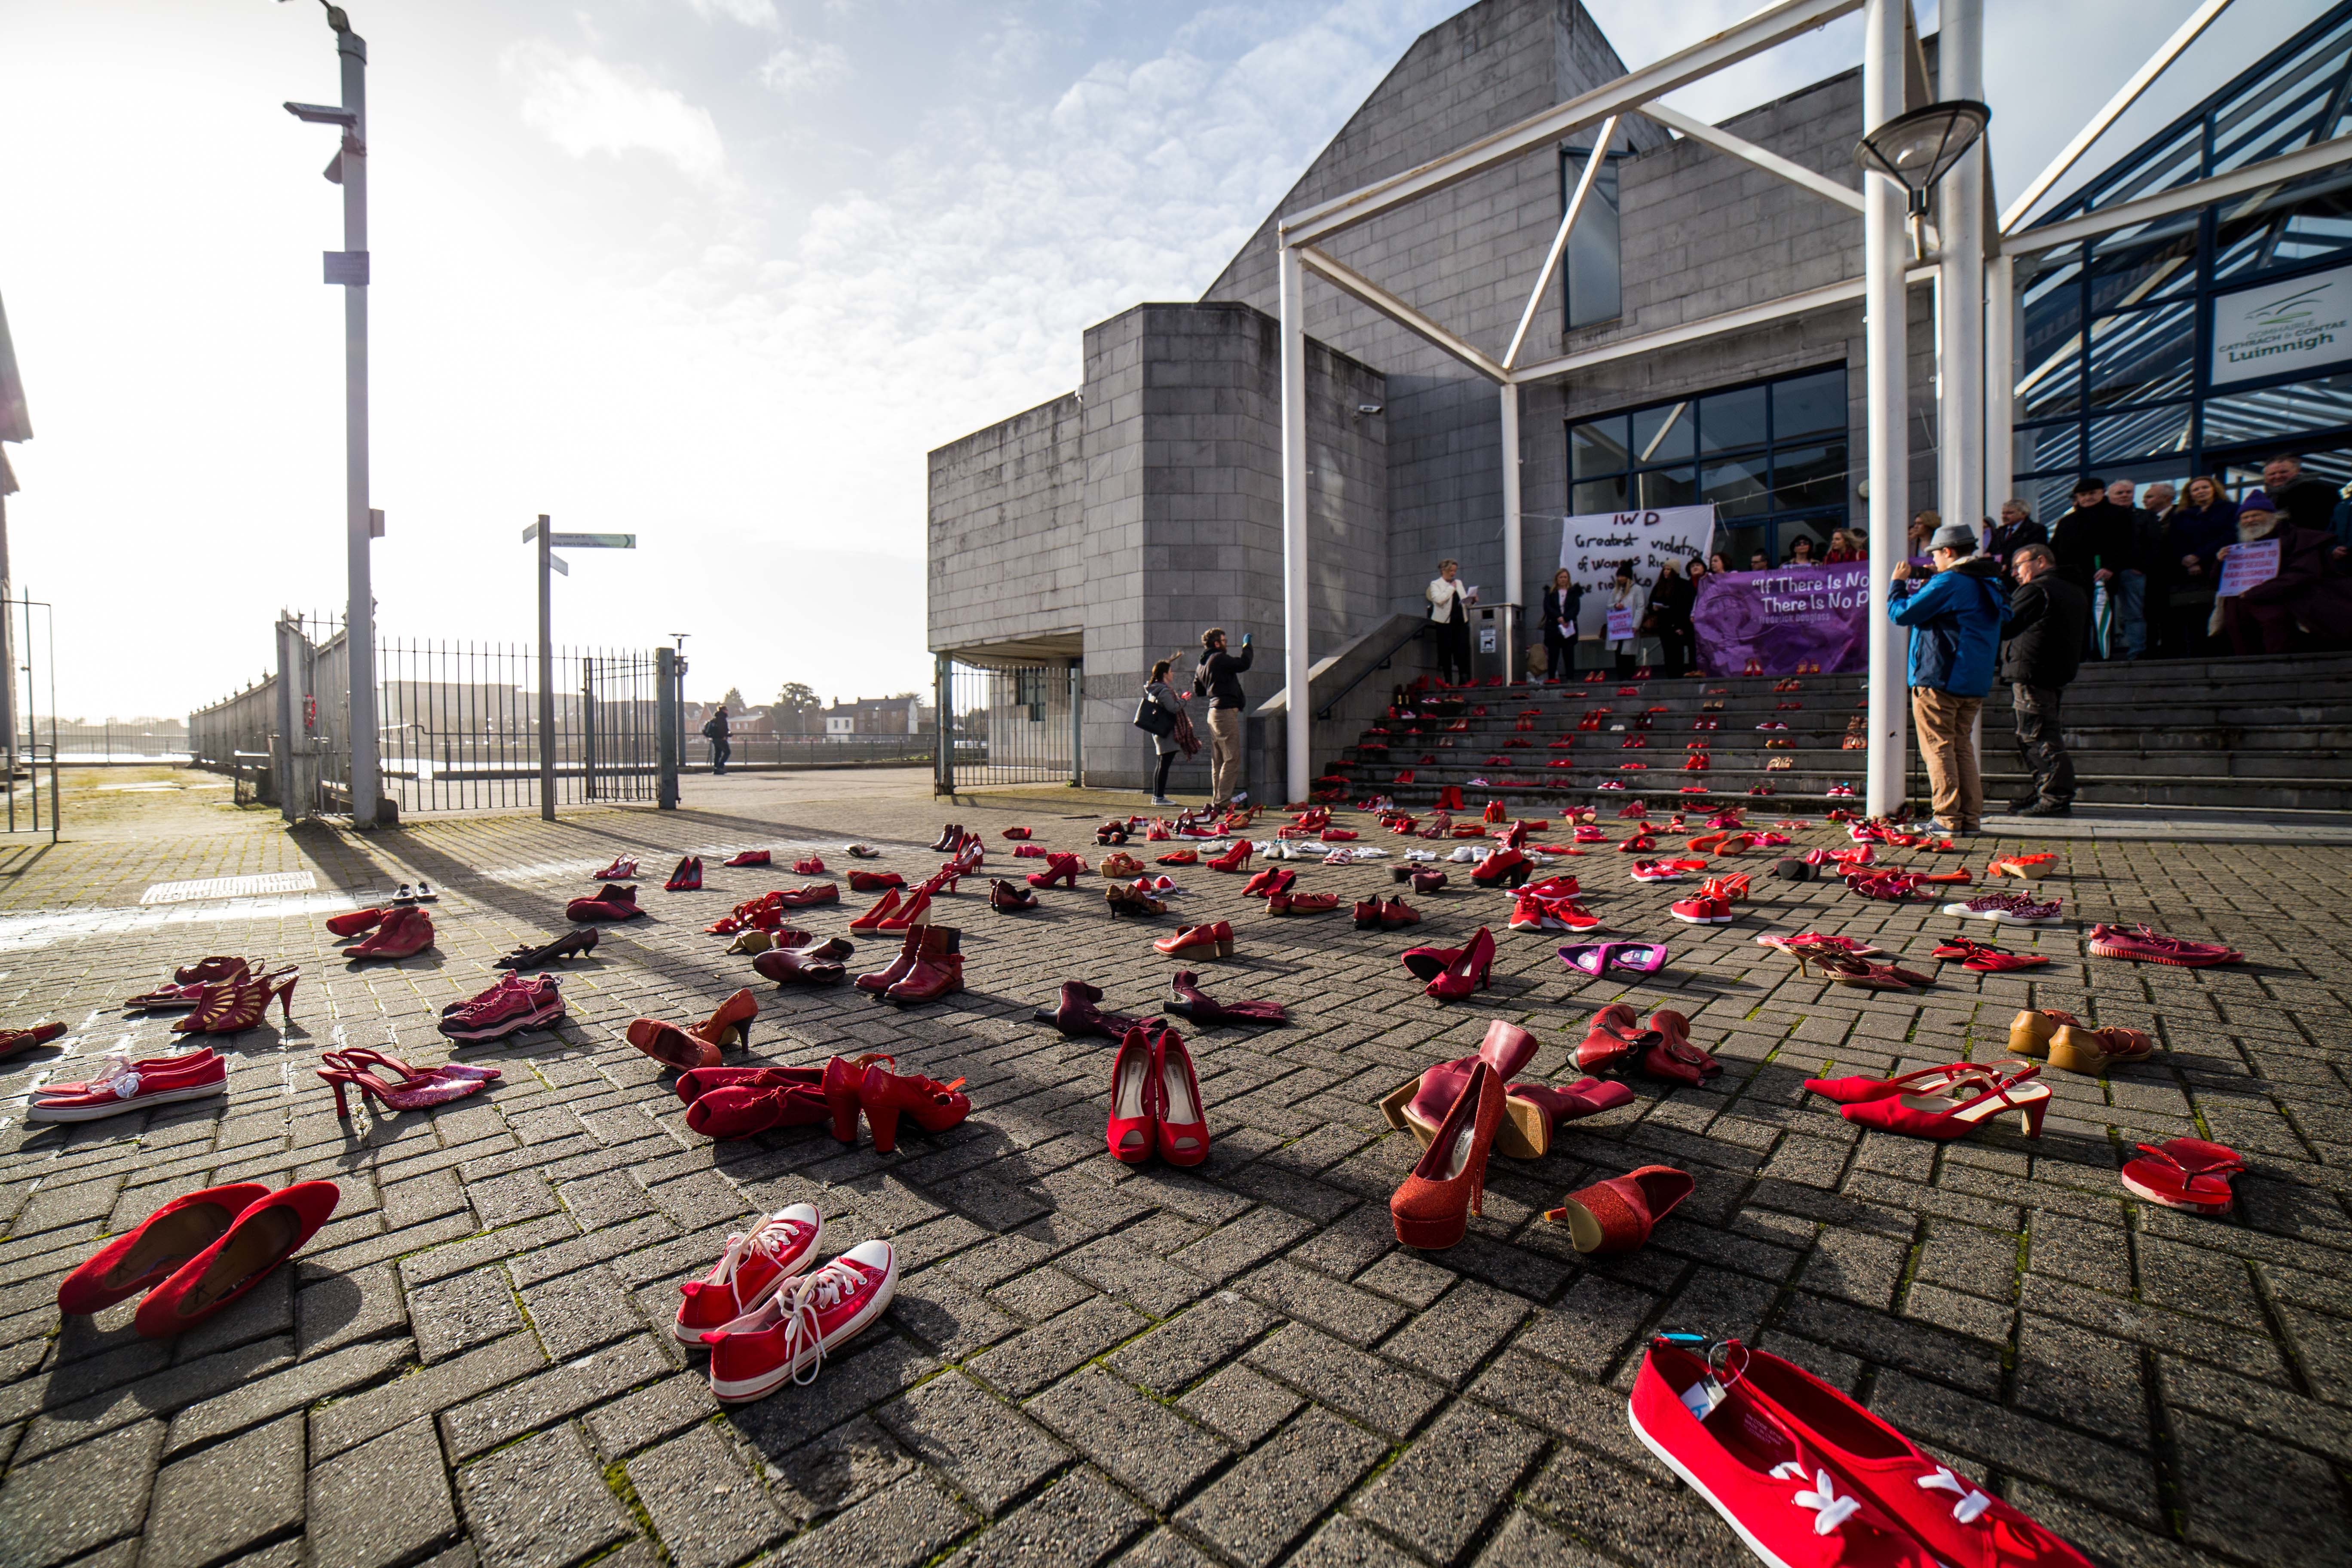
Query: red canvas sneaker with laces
x=787 y=1338
x=756 y=1264
x=1778 y=1490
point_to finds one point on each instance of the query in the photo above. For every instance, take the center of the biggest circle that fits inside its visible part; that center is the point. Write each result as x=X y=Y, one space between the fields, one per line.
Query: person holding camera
x=1218 y=678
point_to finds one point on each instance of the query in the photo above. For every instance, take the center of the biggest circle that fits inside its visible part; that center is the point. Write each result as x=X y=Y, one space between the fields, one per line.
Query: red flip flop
x=2185 y=1173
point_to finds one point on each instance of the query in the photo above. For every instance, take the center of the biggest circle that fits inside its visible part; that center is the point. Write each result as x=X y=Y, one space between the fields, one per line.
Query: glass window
x=1736 y=488
x=2142 y=355
x=2148 y=267
x=2269 y=416
x=1805 y=477
x=1594 y=496
x=1809 y=406
x=1594 y=293
x=1664 y=434
x=2289 y=229
x=2056 y=447
x=1665 y=486
x=1732 y=421
x=1597 y=447
x=2145 y=432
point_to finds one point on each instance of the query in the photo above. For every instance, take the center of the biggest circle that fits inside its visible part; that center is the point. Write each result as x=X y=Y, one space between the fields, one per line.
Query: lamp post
x=1910 y=153
x=349 y=269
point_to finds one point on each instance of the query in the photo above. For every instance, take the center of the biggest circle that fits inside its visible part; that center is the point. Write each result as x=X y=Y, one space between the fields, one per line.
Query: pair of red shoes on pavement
x=1531 y=1111
x=930 y=965
x=1809 y=1479
x=767 y=1318
x=1616 y=1041
x=803 y=958
x=1453 y=974
x=199 y=1253
x=686 y=877
x=1711 y=905
x=122 y=1084
x=399 y=931
x=890 y=913
x=1385 y=914
x=518 y=1002
x=611 y=902
x=676 y=1046
x=1155 y=1100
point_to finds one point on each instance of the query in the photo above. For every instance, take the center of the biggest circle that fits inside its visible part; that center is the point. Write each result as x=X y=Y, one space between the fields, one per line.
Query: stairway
x=2262 y=733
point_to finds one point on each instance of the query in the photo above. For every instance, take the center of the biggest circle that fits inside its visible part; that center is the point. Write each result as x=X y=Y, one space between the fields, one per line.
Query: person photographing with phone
x=1218 y=678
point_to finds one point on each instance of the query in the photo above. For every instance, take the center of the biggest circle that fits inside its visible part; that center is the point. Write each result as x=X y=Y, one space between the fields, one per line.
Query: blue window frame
x=1770 y=456
x=2114 y=355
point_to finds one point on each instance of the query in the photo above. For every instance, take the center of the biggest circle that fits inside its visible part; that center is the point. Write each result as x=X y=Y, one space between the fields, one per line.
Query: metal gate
x=458 y=722
x=1006 y=721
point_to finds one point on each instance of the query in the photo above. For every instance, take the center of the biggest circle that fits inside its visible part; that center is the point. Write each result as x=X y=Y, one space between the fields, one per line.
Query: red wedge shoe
x=915 y=912
x=265 y=1234
x=886 y=906
x=160 y=1245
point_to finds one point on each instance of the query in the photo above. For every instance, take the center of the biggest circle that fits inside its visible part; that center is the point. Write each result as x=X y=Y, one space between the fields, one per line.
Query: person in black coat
x=2095 y=540
x=2041 y=649
x=1671 y=598
x=2017 y=531
x=2301 y=501
x=1561 y=601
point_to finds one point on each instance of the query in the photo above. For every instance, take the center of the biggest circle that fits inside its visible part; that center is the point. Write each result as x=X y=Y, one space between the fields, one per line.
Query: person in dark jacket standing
x=1955 y=622
x=1219 y=678
x=1561 y=602
x=2093 y=542
x=1671 y=598
x=2017 y=531
x=714 y=729
x=2301 y=501
x=2041 y=649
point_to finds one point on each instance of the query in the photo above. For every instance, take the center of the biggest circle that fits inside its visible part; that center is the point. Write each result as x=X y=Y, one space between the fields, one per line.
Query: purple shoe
x=1596 y=958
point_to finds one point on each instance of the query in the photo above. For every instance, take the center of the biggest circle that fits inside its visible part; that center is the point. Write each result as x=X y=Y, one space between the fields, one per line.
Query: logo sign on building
x=1591 y=546
x=2301 y=325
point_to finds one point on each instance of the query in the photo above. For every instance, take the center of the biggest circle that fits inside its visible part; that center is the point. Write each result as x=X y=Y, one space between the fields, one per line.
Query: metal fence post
x=943 y=748
x=546 y=678
x=666 y=727
x=1078 y=724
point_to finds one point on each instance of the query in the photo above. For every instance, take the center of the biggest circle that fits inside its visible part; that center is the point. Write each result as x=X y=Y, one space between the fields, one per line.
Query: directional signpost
x=550 y=561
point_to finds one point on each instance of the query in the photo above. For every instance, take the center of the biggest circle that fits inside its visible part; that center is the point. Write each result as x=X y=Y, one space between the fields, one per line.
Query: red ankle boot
x=936 y=968
x=882 y=980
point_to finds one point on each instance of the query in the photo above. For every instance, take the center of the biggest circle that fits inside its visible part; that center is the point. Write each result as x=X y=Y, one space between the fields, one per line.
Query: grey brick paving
x=1236 y=1366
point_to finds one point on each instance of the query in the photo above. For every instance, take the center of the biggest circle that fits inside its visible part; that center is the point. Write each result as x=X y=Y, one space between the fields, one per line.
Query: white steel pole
x=2000 y=382
x=360 y=621
x=1885 y=350
x=1960 y=297
x=1513 y=566
x=1298 y=720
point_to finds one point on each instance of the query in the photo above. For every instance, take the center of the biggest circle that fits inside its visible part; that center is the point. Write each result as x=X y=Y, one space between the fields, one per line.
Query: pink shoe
x=756 y=1264
x=786 y=1339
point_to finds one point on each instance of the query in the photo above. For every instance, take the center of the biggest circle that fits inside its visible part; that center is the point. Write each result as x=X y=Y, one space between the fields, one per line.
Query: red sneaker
x=2146 y=946
x=1701 y=911
x=787 y=1338
x=756 y=1265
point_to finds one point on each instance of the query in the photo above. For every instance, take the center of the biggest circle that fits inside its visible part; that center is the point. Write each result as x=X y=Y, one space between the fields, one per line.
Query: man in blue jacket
x=1955 y=618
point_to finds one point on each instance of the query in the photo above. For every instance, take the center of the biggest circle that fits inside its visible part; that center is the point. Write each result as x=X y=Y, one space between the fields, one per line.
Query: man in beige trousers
x=1219 y=679
x=1955 y=621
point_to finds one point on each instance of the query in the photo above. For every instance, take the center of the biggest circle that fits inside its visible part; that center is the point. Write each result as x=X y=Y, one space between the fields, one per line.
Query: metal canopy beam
x=1771 y=163
x=1774 y=24
x=2311 y=160
x=1362 y=288
x=1560 y=240
x=2125 y=95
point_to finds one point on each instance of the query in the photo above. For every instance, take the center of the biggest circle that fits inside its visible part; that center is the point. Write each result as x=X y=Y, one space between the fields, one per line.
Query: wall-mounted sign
x=2279 y=328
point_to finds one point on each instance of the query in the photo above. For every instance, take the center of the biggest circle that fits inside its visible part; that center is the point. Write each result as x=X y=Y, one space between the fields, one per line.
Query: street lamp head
x=335 y=18
x=323 y=114
x=1918 y=149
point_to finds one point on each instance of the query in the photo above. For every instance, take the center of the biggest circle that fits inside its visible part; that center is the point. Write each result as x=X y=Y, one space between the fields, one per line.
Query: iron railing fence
x=1007 y=721
x=766 y=751
x=113 y=744
x=240 y=723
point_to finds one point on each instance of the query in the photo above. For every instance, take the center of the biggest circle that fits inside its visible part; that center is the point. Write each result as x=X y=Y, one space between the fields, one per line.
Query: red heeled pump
x=884 y=908
x=843 y=1075
x=932 y=1106
x=1432 y=1210
x=1184 y=1130
x=162 y=1242
x=1132 y=1131
x=265 y=1234
x=1467 y=973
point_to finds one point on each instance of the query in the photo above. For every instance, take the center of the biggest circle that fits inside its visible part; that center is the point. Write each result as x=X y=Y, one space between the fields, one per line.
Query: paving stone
x=985 y=1449
x=1078 y=1521
x=652 y=1414
x=1258 y=1509
x=382 y=1502
x=337 y=1426
x=844 y=1467
x=706 y=1507
x=1028 y=1361
x=2255 y=1498
x=464 y=1311
x=332 y=1310
x=1440 y=1496
x=1449 y=1340
x=539 y=1503
x=1340 y=1311
x=899 y=1527
x=1146 y=1448
x=1343 y=1542
x=1196 y=1341
x=1386 y=1398
x=65 y=1505
x=1242 y=1405
x=303 y=1385
x=226 y=1498
x=575 y=1314
x=556 y=1394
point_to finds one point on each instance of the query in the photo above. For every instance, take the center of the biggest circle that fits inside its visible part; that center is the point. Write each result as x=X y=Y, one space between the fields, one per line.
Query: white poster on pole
x=1591 y=546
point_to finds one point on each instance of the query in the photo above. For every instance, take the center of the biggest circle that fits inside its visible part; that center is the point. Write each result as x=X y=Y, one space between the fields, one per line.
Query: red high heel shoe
x=238 y=1005
x=1183 y=1128
x=1432 y=1210
x=210 y=970
x=1503 y=869
x=1930 y=1116
x=417 y=1092
x=883 y=910
x=1618 y=1215
x=843 y=1075
x=915 y=912
x=730 y=1023
x=1132 y=1130
x=159 y=1245
x=265 y=1234
x=1467 y=973
x=934 y=1106
x=671 y=1045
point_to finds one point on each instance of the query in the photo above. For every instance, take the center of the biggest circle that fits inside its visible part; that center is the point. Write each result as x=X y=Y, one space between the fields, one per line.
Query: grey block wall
x=1467 y=257
x=1006 y=530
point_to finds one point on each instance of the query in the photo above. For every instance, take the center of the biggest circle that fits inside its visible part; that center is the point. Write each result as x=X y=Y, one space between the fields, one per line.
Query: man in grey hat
x=1955 y=622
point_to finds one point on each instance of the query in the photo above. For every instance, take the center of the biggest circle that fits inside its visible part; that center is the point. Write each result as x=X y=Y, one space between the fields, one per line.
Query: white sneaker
x=1161 y=800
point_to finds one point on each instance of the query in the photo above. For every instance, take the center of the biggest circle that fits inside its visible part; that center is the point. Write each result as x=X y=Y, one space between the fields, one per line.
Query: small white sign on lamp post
x=549 y=562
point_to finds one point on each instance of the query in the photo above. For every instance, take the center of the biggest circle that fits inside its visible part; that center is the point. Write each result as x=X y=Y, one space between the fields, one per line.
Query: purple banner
x=1811 y=615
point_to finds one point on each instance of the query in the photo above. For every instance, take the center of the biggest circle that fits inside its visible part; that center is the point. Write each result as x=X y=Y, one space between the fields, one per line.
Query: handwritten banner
x=1797 y=614
x=1591 y=546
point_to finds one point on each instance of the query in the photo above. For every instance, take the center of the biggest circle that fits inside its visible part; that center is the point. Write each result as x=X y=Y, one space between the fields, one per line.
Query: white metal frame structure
x=1972 y=269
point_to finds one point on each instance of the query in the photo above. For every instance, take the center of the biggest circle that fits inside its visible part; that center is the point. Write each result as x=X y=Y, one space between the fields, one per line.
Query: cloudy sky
x=718 y=272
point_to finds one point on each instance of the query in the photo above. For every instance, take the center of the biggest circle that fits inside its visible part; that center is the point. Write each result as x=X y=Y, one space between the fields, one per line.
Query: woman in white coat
x=1629 y=596
x=1449 y=613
